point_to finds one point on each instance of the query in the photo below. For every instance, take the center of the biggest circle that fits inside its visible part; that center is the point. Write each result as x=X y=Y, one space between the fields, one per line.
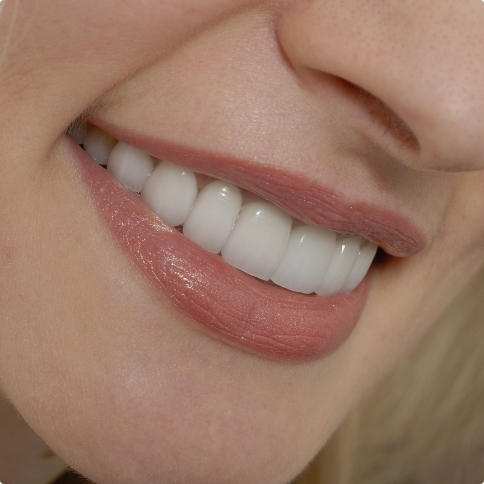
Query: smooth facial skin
x=116 y=380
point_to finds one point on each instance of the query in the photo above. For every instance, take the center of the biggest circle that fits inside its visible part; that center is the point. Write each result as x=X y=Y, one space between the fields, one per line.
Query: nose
x=423 y=59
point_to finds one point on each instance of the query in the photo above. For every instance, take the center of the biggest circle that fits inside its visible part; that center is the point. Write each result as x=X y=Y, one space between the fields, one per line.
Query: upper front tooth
x=99 y=145
x=170 y=191
x=213 y=215
x=130 y=166
x=307 y=256
x=257 y=242
x=342 y=262
x=365 y=258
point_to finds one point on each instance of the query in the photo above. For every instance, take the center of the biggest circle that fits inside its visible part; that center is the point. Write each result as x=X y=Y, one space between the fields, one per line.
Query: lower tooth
x=257 y=242
x=130 y=166
x=342 y=262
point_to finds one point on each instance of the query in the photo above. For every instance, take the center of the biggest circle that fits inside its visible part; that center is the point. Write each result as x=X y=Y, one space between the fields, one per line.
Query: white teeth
x=170 y=191
x=343 y=260
x=99 y=145
x=213 y=216
x=307 y=256
x=251 y=234
x=257 y=242
x=365 y=258
x=130 y=166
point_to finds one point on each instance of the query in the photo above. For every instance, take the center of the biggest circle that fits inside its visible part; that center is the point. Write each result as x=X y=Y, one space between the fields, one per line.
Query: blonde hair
x=425 y=422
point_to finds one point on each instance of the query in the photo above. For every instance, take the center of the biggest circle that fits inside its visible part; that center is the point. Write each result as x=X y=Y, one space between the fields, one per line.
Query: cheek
x=117 y=39
x=120 y=385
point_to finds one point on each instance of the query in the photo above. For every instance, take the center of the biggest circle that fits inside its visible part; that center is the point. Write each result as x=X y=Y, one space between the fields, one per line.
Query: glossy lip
x=230 y=305
x=304 y=199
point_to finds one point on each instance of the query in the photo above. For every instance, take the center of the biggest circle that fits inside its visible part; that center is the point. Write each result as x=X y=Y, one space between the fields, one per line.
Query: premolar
x=255 y=237
x=363 y=262
x=343 y=259
x=99 y=145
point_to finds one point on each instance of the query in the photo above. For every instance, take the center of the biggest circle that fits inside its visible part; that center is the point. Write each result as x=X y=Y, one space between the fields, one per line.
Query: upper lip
x=304 y=199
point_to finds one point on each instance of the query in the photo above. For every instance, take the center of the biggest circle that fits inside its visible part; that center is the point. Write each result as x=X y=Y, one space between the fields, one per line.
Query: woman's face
x=141 y=358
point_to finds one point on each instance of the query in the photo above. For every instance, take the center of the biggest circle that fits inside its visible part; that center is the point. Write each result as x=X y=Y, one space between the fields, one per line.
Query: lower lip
x=258 y=317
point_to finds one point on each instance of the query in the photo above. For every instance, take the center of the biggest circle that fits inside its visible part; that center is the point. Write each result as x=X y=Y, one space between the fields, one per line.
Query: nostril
x=384 y=117
x=379 y=113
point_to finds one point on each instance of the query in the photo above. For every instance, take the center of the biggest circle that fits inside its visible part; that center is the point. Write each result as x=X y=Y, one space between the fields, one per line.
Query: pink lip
x=230 y=305
x=303 y=199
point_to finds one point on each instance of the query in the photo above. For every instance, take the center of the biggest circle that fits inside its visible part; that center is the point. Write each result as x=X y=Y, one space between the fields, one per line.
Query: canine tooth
x=130 y=166
x=170 y=191
x=99 y=145
x=257 y=242
x=306 y=258
x=363 y=261
x=213 y=215
x=342 y=262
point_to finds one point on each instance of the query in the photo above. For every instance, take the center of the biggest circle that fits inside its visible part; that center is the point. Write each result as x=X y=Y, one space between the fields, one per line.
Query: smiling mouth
x=232 y=241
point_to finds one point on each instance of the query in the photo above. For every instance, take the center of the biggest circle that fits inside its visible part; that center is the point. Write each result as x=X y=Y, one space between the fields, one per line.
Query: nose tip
x=424 y=60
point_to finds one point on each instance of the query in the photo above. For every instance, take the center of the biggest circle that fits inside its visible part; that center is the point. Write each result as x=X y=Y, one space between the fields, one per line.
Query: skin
x=116 y=381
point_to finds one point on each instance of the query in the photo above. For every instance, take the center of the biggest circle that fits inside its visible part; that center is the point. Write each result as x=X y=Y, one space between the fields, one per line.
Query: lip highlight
x=305 y=200
x=260 y=318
